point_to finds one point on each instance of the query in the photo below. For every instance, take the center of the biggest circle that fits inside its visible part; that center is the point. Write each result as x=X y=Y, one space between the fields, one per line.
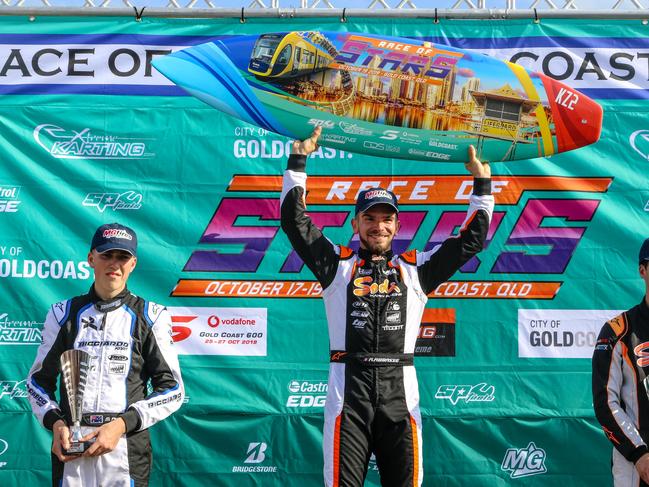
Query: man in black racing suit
x=374 y=302
x=129 y=341
x=621 y=385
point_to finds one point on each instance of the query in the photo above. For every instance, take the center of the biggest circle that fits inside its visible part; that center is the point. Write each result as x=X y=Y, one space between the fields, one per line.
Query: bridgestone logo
x=255 y=468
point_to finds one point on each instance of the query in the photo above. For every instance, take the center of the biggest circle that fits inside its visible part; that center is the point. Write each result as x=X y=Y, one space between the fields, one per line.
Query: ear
x=643 y=270
x=398 y=227
x=133 y=262
x=91 y=259
x=355 y=224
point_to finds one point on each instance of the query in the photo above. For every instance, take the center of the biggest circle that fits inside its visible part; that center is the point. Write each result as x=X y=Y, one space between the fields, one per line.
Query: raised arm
x=440 y=263
x=317 y=252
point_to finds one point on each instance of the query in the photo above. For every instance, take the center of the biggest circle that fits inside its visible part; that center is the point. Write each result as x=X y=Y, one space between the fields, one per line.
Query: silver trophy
x=75 y=365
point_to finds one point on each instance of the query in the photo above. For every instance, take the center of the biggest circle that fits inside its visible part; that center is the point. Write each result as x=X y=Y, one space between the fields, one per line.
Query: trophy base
x=78 y=447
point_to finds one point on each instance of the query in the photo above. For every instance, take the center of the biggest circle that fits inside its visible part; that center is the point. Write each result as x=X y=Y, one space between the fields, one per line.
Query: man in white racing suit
x=131 y=348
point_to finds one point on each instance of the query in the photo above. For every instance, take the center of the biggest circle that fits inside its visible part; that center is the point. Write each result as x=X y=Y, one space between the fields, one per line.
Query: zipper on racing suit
x=100 y=368
x=376 y=275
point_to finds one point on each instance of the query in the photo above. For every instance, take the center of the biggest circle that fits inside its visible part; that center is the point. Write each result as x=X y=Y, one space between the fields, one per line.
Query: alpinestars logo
x=83 y=144
x=256 y=454
x=523 y=462
x=129 y=200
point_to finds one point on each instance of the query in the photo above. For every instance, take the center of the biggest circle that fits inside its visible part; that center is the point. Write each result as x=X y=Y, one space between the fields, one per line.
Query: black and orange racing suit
x=374 y=309
x=620 y=369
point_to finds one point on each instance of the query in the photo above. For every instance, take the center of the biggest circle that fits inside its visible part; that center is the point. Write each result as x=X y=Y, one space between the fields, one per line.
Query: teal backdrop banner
x=91 y=133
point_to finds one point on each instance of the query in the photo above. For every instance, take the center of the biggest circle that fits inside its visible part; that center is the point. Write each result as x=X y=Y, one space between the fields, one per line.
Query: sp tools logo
x=12 y=389
x=481 y=392
x=129 y=200
x=524 y=462
x=84 y=144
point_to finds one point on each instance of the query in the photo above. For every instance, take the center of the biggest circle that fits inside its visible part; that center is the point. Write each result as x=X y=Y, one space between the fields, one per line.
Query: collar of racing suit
x=644 y=310
x=366 y=255
x=109 y=304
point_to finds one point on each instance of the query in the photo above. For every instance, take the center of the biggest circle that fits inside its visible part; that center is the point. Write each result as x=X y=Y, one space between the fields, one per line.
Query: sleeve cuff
x=51 y=417
x=481 y=186
x=296 y=162
x=637 y=453
x=131 y=419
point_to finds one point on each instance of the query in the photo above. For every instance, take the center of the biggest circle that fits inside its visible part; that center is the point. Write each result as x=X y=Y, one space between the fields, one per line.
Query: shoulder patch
x=345 y=252
x=618 y=325
x=61 y=310
x=152 y=311
x=409 y=257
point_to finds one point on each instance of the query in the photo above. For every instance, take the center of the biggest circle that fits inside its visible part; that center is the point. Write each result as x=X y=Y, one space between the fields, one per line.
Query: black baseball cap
x=375 y=196
x=113 y=236
x=644 y=251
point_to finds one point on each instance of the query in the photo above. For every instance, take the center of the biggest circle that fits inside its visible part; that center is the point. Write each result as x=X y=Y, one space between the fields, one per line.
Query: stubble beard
x=376 y=248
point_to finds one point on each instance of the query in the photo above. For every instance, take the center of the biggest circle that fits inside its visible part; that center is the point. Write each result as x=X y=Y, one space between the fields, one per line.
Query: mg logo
x=524 y=462
x=256 y=452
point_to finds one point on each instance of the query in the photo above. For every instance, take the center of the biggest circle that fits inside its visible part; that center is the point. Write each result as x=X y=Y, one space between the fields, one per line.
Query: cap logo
x=117 y=233
x=377 y=193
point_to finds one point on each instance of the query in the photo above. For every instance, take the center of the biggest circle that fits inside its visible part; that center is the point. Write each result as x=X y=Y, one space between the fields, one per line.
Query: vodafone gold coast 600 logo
x=219 y=331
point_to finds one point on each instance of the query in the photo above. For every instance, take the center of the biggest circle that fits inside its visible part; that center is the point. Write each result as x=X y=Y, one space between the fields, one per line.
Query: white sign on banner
x=560 y=333
x=219 y=331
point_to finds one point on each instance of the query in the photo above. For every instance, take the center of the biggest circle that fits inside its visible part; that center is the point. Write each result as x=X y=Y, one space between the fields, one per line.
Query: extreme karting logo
x=14 y=332
x=531 y=213
x=84 y=144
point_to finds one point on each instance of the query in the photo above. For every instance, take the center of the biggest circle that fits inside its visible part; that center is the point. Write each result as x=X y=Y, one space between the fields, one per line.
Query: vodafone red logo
x=213 y=321
x=179 y=332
